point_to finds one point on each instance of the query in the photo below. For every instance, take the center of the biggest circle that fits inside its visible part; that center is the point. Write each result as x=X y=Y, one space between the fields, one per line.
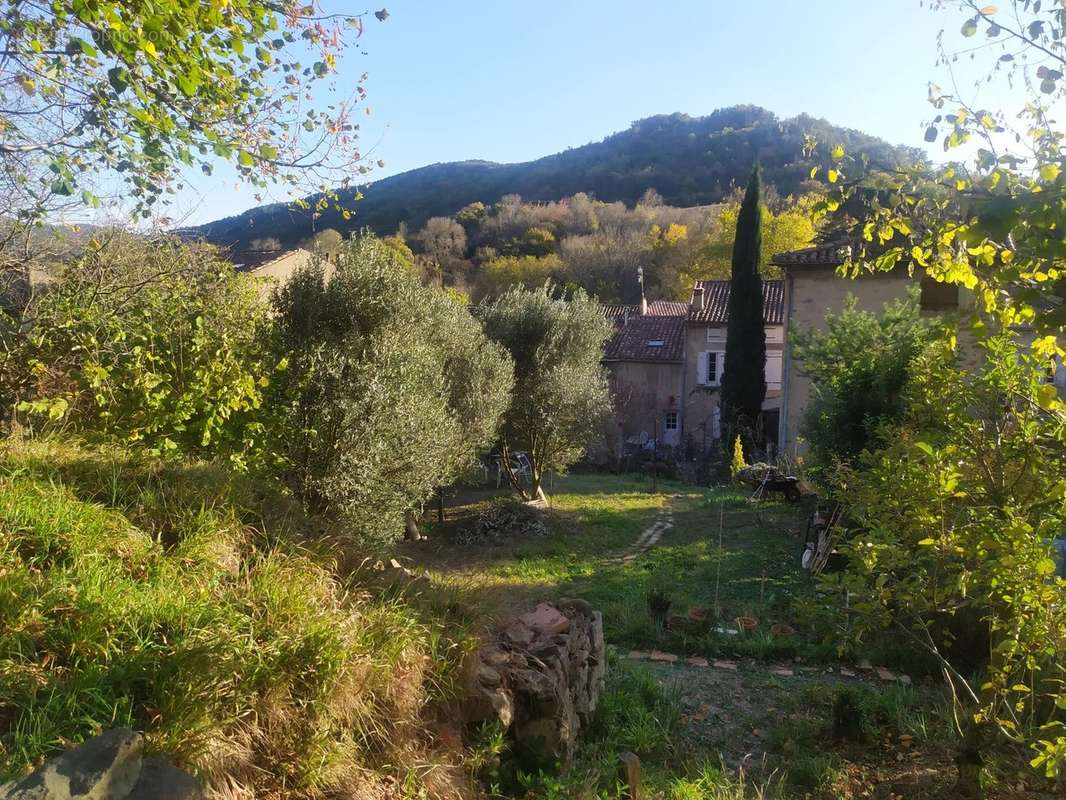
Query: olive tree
x=390 y=388
x=560 y=391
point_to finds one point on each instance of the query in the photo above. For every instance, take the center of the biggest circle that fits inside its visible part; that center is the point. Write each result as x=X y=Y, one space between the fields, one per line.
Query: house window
x=938 y=296
x=670 y=421
x=710 y=367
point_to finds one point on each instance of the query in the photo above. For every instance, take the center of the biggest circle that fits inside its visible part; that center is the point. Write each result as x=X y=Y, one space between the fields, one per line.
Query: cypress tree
x=744 y=376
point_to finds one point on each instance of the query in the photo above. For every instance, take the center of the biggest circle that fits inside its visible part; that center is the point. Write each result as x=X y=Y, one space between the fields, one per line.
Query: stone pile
x=110 y=766
x=541 y=678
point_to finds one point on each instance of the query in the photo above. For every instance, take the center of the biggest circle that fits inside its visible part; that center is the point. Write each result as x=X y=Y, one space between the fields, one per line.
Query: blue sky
x=513 y=81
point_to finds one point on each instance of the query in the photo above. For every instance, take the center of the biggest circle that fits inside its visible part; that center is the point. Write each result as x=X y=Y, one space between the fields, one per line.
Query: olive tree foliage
x=121 y=96
x=560 y=392
x=154 y=341
x=954 y=519
x=858 y=363
x=390 y=388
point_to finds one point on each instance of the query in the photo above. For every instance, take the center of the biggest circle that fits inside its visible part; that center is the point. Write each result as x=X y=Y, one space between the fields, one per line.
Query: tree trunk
x=410 y=525
x=969 y=759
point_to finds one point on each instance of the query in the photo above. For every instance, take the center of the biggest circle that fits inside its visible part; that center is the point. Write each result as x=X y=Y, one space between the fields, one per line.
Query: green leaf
x=118 y=77
x=926 y=542
x=969 y=28
x=1045 y=566
x=245 y=159
x=925 y=447
x=267 y=151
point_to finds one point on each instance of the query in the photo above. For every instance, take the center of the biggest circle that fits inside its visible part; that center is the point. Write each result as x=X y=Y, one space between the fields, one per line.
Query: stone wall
x=541 y=679
x=110 y=766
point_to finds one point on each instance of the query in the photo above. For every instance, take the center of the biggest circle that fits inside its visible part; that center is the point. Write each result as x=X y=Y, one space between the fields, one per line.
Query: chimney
x=697 y=298
x=643 y=299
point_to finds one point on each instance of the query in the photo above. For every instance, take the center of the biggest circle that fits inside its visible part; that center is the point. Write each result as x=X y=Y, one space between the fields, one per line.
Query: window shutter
x=701 y=368
x=773 y=369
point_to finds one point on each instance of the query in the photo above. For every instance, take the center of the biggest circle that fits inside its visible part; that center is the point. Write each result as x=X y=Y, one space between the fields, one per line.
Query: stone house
x=271 y=268
x=665 y=364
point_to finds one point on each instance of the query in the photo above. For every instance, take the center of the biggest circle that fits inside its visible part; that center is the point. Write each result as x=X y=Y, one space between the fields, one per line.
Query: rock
x=638 y=655
x=666 y=658
x=541 y=679
x=885 y=674
x=106 y=767
x=162 y=781
x=696 y=661
x=545 y=620
x=905 y=680
x=518 y=633
x=726 y=665
x=784 y=672
x=847 y=673
x=488 y=676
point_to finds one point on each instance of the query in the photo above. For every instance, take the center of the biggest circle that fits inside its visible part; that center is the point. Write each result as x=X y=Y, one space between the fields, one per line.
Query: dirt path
x=650 y=536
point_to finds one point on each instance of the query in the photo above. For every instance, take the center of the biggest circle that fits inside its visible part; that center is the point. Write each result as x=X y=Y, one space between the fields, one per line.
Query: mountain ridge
x=689 y=161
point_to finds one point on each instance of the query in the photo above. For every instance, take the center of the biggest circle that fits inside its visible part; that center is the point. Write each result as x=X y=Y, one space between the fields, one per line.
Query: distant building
x=665 y=362
x=271 y=267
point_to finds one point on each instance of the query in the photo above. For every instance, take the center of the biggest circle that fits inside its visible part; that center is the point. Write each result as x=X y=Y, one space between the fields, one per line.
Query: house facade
x=665 y=362
x=270 y=268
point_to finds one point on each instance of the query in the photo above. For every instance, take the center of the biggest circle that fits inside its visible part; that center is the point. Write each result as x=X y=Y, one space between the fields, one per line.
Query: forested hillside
x=689 y=161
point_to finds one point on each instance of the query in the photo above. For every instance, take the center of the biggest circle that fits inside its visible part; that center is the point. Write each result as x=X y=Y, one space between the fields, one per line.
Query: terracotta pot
x=782 y=631
x=746 y=624
x=699 y=614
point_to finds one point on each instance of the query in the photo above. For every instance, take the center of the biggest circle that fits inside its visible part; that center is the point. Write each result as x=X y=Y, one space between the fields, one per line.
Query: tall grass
x=177 y=599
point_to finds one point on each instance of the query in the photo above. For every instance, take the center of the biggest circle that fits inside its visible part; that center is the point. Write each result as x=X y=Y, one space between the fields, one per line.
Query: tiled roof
x=632 y=337
x=716 y=302
x=823 y=255
x=251 y=260
x=656 y=308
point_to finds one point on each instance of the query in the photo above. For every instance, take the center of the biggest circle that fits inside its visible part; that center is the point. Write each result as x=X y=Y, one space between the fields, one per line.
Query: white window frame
x=666 y=421
x=719 y=363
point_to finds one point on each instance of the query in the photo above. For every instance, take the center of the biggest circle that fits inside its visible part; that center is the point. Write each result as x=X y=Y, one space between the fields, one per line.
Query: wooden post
x=629 y=776
x=440 y=504
x=654 y=458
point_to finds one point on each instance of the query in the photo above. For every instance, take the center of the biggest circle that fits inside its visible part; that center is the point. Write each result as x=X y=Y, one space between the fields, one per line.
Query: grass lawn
x=763 y=729
x=722 y=553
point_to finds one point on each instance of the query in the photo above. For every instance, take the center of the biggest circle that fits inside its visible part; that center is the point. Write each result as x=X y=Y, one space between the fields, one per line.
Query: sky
x=514 y=80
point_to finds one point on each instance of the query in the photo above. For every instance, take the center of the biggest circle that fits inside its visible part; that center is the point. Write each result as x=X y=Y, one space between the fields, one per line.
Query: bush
x=155 y=342
x=151 y=595
x=858 y=365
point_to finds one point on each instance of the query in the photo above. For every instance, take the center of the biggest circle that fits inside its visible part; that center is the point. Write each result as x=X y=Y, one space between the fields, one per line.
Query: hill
x=690 y=161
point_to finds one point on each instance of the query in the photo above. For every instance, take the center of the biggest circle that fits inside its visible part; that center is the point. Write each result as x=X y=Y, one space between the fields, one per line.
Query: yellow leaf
x=832 y=175
x=1049 y=171
x=988 y=11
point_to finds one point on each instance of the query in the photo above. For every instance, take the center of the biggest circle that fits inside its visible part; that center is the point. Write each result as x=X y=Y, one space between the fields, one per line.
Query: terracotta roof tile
x=716 y=302
x=251 y=260
x=823 y=255
x=647 y=338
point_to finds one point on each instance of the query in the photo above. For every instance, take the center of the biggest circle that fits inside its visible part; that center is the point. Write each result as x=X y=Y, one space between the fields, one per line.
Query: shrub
x=858 y=365
x=954 y=520
x=155 y=342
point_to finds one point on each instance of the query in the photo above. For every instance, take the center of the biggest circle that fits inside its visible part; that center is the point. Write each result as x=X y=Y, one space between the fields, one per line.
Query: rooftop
x=716 y=303
x=646 y=338
x=831 y=254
